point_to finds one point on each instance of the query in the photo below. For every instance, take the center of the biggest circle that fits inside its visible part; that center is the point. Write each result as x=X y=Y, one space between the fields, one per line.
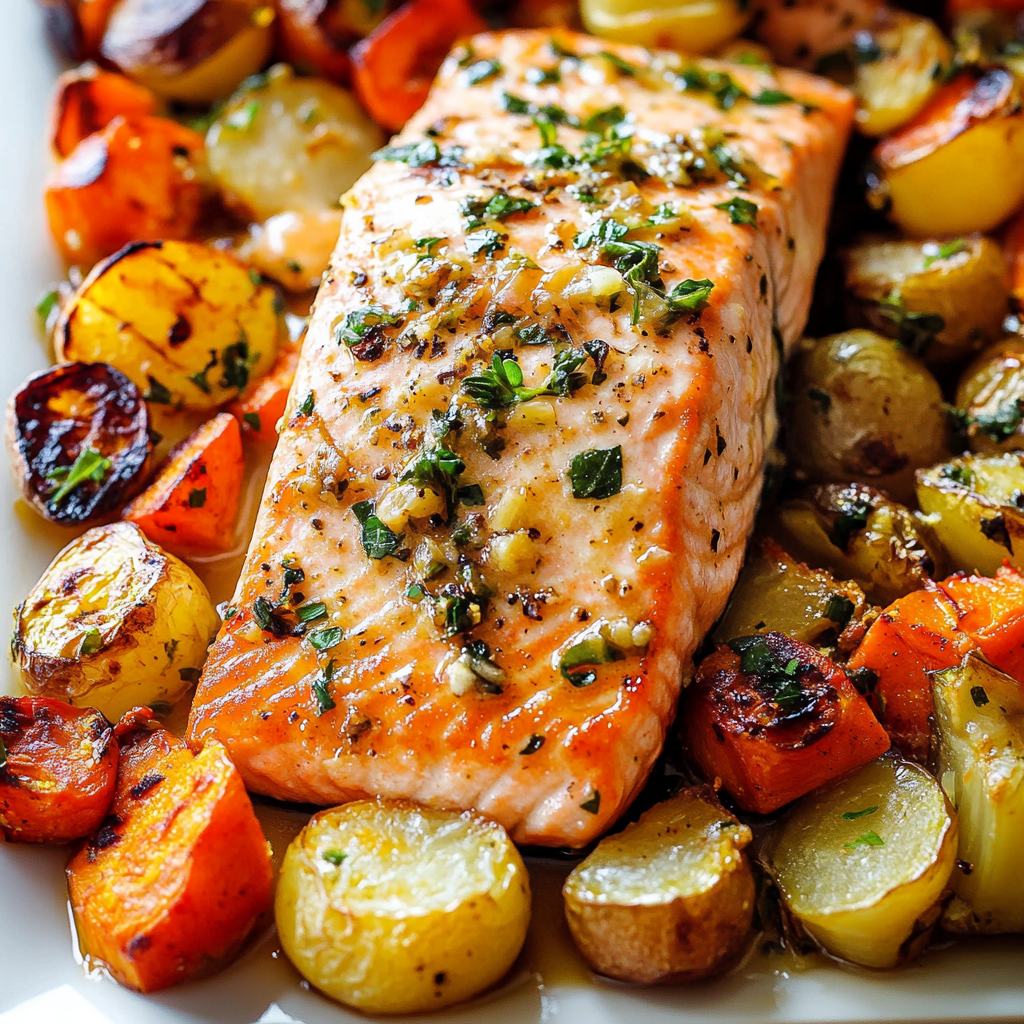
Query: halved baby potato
x=114 y=623
x=394 y=908
x=941 y=299
x=979 y=714
x=288 y=143
x=975 y=504
x=293 y=248
x=695 y=26
x=191 y=325
x=991 y=396
x=668 y=899
x=196 y=52
x=863 y=864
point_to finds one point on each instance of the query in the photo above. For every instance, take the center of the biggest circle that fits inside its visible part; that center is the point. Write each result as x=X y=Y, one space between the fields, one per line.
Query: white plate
x=38 y=956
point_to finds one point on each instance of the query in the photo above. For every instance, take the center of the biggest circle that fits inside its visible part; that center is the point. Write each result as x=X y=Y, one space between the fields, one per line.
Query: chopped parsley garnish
x=499 y=206
x=777 y=681
x=324 y=700
x=596 y=473
x=313 y=611
x=501 y=386
x=595 y=650
x=839 y=610
x=979 y=696
x=602 y=120
x=237 y=363
x=914 y=331
x=620 y=65
x=549 y=112
x=46 y=305
x=959 y=474
x=1002 y=423
x=862 y=813
x=543 y=76
x=741 y=211
x=689 y=296
x=852 y=518
x=533 y=744
x=157 y=392
x=378 y=540
x=551 y=153
x=92 y=641
x=334 y=857
x=481 y=71
x=476 y=656
x=197 y=497
x=593 y=805
x=243 y=117
x=869 y=838
x=942 y=250
x=438 y=468
x=486 y=240
x=307 y=406
x=471 y=494
x=90 y=465
x=772 y=98
x=722 y=87
x=421 y=154
x=325 y=639
x=358 y=324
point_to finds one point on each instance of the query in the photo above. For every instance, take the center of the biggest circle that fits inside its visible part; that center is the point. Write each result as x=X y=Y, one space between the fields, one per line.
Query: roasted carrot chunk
x=193 y=502
x=88 y=99
x=773 y=718
x=180 y=876
x=135 y=179
x=392 y=68
x=263 y=403
x=58 y=764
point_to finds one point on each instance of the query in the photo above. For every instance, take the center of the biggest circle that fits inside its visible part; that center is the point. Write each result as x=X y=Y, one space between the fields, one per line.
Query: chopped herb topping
x=597 y=473
x=620 y=65
x=197 y=497
x=325 y=639
x=157 y=392
x=852 y=518
x=486 y=241
x=46 y=305
x=1003 y=423
x=91 y=643
x=307 y=406
x=499 y=206
x=360 y=323
x=313 y=611
x=377 y=539
x=324 y=700
x=868 y=839
x=595 y=650
x=593 y=805
x=942 y=250
x=533 y=744
x=421 y=154
x=862 y=813
x=959 y=474
x=237 y=363
x=778 y=682
x=243 y=117
x=471 y=494
x=476 y=655
x=481 y=71
x=90 y=465
x=722 y=87
x=551 y=153
x=979 y=696
x=543 y=76
x=501 y=386
x=334 y=857
x=437 y=468
x=914 y=331
x=772 y=98
x=839 y=610
x=741 y=211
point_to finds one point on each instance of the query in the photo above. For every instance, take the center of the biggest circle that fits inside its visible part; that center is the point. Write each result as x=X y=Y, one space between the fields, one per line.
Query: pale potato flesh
x=696 y=26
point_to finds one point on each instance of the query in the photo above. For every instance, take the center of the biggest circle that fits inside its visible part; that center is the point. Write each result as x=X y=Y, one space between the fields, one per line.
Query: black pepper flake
x=715 y=537
x=365 y=396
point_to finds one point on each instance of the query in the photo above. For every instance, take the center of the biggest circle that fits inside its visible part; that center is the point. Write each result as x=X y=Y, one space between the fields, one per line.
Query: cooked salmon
x=525 y=443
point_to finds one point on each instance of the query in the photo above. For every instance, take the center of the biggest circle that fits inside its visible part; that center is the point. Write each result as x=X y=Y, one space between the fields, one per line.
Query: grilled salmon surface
x=524 y=446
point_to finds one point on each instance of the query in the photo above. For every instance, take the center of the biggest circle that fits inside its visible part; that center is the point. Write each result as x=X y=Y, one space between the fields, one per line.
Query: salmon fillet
x=521 y=456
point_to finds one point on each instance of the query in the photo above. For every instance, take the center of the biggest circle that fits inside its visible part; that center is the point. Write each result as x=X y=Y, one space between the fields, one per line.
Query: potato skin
x=695 y=28
x=991 y=393
x=672 y=939
x=60 y=765
x=434 y=911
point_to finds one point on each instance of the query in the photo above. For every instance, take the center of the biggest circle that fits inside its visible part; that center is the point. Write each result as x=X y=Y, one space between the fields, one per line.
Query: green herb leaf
x=91 y=643
x=779 y=683
x=1003 y=423
x=421 y=154
x=942 y=250
x=620 y=65
x=197 y=497
x=325 y=639
x=324 y=700
x=358 y=324
x=334 y=857
x=839 y=610
x=243 y=117
x=487 y=241
x=852 y=518
x=593 y=805
x=741 y=211
x=481 y=71
x=157 y=393
x=862 y=813
x=46 y=305
x=543 y=76
x=377 y=539
x=772 y=98
x=594 y=650
x=90 y=465
x=471 y=494
x=498 y=206
x=312 y=612
x=602 y=120
x=597 y=473
x=914 y=331
x=437 y=468
x=868 y=839
x=307 y=406
x=979 y=696
x=689 y=296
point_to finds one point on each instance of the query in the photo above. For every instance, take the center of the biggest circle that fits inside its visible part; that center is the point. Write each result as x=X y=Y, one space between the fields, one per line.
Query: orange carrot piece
x=194 y=500
x=93 y=16
x=263 y=402
x=88 y=99
x=58 y=764
x=393 y=67
x=1013 y=249
x=776 y=720
x=134 y=180
x=315 y=35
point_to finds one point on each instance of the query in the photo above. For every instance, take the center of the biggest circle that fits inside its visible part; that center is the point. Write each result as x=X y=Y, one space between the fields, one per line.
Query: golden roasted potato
x=940 y=299
x=979 y=714
x=393 y=908
x=191 y=325
x=294 y=248
x=975 y=504
x=862 y=865
x=696 y=26
x=858 y=534
x=195 y=51
x=958 y=166
x=287 y=143
x=991 y=397
x=780 y=593
x=862 y=408
x=114 y=623
x=668 y=899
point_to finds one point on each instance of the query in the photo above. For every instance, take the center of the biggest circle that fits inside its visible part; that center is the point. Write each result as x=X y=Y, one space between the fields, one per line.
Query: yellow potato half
x=114 y=623
x=696 y=26
x=190 y=325
x=393 y=908
x=670 y=898
x=991 y=394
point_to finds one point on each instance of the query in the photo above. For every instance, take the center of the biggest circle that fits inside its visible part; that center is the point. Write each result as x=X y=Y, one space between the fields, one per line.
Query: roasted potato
x=778 y=592
x=392 y=908
x=180 y=876
x=315 y=35
x=696 y=26
x=958 y=166
x=192 y=504
x=862 y=408
x=191 y=325
x=195 y=51
x=294 y=248
x=858 y=534
x=815 y=36
x=546 y=14
x=140 y=177
x=940 y=299
x=668 y=899
x=57 y=770
x=991 y=397
x=114 y=622
x=979 y=714
x=287 y=143
x=773 y=718
x=976 y=507
x=863 y=864
x=78 y=438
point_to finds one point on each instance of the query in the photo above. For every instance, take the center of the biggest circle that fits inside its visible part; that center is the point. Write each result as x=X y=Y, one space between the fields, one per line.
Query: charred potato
x=195 y=51
x=862 y=408
x=862 y=865
x=696 y=26
x=979 y=712
x=858 y=534
x=78 y=438
x=940 y=299
x=976 y=507
x=776 y=591
x=114 y=623
x=392 y=908
x=315 y=35
x=991 y=397
x=288 y=143
x=668 y=899
x=57 y=770
x=191 y=325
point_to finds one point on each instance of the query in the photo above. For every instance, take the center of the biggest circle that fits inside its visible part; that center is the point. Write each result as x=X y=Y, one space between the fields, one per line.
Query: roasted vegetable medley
x=846 y=771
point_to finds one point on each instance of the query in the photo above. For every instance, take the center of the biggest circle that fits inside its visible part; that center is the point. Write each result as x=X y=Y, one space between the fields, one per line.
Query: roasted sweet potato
x=180 y=876
x=263 y=403
x=392 y=68
x=57 y=770
x=773 y=718
x=315 y=35
x=135 y=179
x=193 y=502
x=78 y=438
x=88 y=99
